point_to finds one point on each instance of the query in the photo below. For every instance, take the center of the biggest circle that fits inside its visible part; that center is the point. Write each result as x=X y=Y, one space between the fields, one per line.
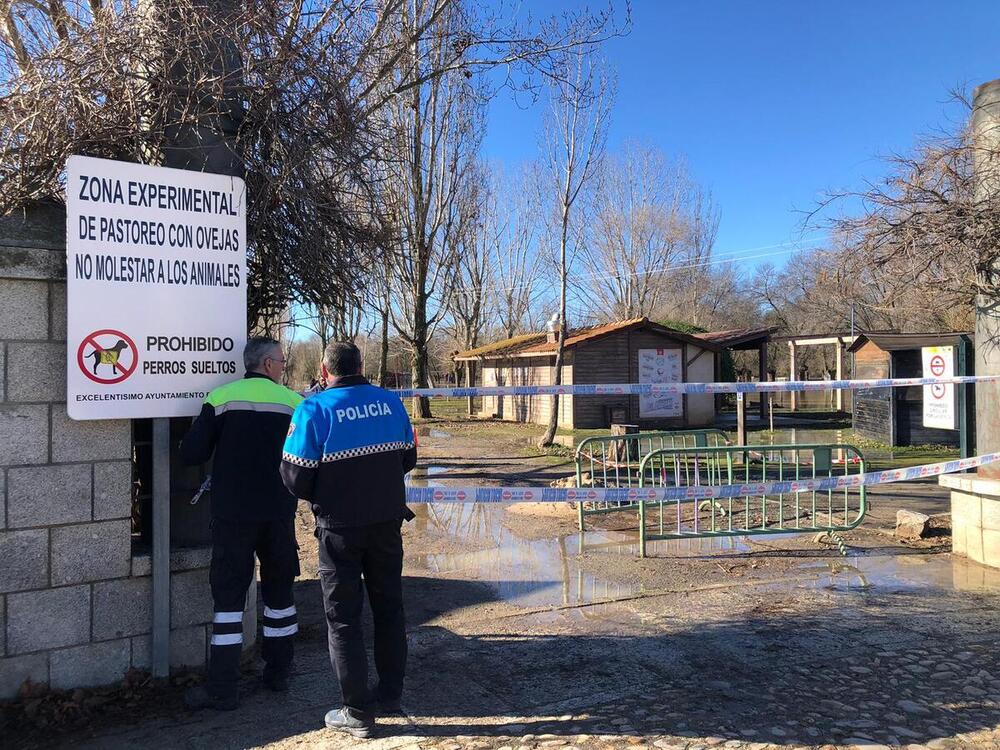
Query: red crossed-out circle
x=937 y=365
x=938 y=391
x=96 y=346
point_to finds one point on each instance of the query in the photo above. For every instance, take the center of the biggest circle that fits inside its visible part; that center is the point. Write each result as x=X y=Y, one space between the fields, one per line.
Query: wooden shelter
x=894 y=416
x=627 y=351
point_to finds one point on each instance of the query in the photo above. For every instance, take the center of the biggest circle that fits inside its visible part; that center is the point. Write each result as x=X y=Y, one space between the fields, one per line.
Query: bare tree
x=640 y=230
x=299 y=98
x=515 y=253
x=438 y=125
x=575 y=138
x=478 y=235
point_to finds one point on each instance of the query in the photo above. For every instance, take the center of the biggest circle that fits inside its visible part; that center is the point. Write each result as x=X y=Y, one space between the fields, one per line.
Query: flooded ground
x=525 y=634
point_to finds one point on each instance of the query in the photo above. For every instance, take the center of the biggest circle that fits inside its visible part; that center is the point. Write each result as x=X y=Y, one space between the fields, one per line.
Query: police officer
x=244 y=423
x=347 y=452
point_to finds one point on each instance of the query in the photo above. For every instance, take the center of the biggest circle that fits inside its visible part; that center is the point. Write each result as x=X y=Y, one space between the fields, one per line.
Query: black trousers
x=346 y=556
x=234 y=545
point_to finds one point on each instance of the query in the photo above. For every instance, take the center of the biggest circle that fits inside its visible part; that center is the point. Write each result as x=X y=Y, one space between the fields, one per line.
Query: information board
x=939 y=400
x=156 y=288
x=660 y=366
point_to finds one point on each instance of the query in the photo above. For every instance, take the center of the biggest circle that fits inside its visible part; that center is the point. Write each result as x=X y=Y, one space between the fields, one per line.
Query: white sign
x=156 y=288
x=660 y=366
x=939 y=400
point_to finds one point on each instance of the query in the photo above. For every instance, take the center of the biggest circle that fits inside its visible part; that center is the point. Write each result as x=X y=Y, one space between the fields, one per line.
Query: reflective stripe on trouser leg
x=227 y=629
x=224 y=654
x=280 y=623
x=278 y=648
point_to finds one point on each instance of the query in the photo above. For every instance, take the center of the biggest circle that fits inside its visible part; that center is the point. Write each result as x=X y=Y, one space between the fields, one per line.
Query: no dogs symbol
x=107 y=356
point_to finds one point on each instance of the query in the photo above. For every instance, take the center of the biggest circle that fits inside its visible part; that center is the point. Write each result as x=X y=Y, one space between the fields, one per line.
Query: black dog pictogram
x=109 y=356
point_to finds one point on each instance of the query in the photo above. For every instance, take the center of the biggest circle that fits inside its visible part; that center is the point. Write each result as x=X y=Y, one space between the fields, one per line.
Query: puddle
x=431 y=432
x=902 y=573
x=546 y=572
x=420 y=476
x=527 y=572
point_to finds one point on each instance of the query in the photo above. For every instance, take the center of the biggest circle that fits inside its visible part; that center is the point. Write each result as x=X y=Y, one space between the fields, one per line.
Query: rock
x=913 y=708
x=911 y=525
x=864 y=744
x=585 y=481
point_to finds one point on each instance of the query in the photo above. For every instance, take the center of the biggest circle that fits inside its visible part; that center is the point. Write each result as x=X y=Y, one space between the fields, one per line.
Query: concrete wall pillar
x=986 y=160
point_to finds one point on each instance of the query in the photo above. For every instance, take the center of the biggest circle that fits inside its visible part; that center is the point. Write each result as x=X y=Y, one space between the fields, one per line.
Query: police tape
x=693 y=492
x=666 y=389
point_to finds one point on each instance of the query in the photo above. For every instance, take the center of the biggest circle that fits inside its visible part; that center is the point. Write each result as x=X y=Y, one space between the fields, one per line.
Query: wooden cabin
x=894 y=416
x=628 y=351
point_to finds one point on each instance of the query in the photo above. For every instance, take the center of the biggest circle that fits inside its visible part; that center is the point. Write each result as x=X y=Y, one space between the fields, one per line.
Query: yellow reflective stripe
x=254 y=390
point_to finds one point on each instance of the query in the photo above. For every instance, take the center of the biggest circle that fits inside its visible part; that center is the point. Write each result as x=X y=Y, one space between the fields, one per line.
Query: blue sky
x=775 y=102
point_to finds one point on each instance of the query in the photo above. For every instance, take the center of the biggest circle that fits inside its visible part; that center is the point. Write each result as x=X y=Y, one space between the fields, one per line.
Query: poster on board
x=156 y=295
x=660 y=366
x=939 y=400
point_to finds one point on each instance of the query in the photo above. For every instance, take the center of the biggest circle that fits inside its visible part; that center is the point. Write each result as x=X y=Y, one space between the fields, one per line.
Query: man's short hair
x=342 y=358
x=256 y=351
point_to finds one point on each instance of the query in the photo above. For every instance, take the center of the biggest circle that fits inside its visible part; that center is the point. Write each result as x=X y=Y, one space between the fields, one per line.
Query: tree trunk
x=550 y=432
x=468 y=384
x=383 y=354
x=421 y=404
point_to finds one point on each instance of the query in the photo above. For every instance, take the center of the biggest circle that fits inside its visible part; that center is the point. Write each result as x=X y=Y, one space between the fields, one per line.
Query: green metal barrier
x=829 y=511
x=615 y=460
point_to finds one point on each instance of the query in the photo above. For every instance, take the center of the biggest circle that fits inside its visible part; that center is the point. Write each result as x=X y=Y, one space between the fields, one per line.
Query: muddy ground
x=523 y=634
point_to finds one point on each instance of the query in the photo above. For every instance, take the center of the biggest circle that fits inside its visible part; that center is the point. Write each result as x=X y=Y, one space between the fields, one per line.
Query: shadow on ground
x=854 y=667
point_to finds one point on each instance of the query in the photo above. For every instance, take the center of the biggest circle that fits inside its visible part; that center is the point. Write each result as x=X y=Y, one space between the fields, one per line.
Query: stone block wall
x=75 y=601
x=975 y=517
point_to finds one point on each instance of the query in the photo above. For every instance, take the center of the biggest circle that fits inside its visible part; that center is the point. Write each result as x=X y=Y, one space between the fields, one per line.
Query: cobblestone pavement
x=734 y=668
x=531 y=640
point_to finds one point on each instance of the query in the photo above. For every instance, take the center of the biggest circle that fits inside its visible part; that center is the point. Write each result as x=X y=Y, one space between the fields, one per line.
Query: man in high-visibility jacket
x=347 y=452
x=244 y=424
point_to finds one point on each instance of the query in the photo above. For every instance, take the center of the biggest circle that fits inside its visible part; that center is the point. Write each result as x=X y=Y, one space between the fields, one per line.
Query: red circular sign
x=938 y=391
x=937 y=365
x=110 y=351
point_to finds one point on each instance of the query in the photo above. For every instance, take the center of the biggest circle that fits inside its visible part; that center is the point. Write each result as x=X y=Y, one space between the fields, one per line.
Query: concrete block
x=3 y=499
x=16 y=670
x=974 y=543
x=36 y=372
x=48 y=495
x=990 y=508
x=958 y=542
x=3 y=626
x=3 y=369
x=24 y=434
x=32 y=263
x=90 y=665
x=112 y=490
x=966 y=509
x=188 y=648
x=24 y=560
x=47 y=619
x=91 y=552
x=188 y=558
x=991 y=548
x=24 y=314
x=190 y=599
x=123 y=608
x=57 y=311
x=98 y=440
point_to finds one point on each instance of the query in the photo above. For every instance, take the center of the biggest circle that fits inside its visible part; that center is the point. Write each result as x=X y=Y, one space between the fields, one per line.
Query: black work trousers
x=346 y=557
x=234 y=544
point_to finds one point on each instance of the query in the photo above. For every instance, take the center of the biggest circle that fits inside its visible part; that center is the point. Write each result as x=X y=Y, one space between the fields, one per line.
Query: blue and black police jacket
x=347 y=451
